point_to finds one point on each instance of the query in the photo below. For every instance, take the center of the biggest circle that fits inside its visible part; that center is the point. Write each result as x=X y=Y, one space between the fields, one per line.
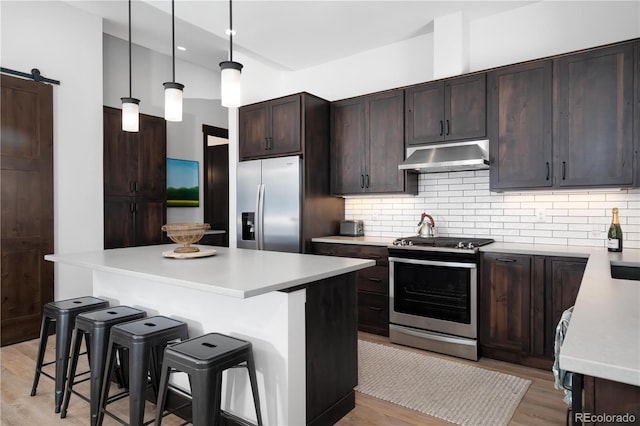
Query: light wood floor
x=542 y=404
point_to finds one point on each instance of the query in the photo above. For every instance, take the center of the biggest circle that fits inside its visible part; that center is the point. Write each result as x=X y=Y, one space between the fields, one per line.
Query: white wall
x=31 y=38
x=201 y=103
x=549 y=28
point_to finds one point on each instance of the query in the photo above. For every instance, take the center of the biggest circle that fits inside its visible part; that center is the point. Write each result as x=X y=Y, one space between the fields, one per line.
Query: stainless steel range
x=433 y=294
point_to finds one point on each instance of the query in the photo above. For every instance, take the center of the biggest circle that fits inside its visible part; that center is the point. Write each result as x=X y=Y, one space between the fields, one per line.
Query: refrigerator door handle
x=256 y=219
x=260 y=217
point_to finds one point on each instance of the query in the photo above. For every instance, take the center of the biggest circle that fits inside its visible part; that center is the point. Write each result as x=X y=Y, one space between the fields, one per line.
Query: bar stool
x=204 y=359
x=97 y=325
x=63 y=313
x=145 y=340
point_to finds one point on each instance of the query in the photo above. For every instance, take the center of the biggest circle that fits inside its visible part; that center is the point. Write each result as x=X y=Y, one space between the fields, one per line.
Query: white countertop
x=364 y=241
x=603 y=338
x=232 y=272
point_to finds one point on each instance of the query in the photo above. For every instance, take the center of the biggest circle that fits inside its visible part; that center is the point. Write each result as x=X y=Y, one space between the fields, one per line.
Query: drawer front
x=373 y=313
x=374 y=279
x=377 y=253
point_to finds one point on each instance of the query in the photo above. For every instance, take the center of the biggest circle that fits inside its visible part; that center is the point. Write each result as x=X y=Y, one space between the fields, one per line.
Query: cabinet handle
x=361 y=181
x=374 y=308
x=367 y=181
x=135 y=186
x=266 y=144
x=564 y=170
x=448 y=127
x=270 y=143
x=375 y=280
x=441 y=128
x=505 y=259
x=548 y=171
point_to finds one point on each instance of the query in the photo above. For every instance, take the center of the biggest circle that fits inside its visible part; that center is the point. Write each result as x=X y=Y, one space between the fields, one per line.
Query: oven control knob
x=470 y=246
x=460 y=245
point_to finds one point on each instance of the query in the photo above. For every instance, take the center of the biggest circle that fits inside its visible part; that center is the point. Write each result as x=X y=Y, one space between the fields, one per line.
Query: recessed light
x=181 y=48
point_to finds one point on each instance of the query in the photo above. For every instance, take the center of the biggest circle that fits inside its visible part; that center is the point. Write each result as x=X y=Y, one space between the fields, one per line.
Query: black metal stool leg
x=254 y=386
x=204 y=412
x=76 y=342
x=139 y=358
x=63 y=334
x=104 y=393
x=44 y=336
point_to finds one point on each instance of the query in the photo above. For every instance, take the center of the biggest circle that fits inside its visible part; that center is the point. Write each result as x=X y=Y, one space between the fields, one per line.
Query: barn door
x=26 y=205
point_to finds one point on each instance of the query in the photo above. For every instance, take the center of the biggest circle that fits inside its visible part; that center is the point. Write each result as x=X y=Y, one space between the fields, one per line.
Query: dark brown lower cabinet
x=605 y=397
x=373 y=284
x=132 y=221
x=521 y=300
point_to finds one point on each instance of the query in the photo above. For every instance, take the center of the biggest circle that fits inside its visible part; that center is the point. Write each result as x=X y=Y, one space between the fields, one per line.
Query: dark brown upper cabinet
x=446 y=110
x=134 y=170
x=520 y=126
x=134 y=162
x=270 y=128
x=594 y=115
x=367 y=140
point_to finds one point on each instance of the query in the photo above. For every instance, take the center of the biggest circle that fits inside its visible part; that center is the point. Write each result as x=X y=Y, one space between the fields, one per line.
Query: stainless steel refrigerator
x=270 y=204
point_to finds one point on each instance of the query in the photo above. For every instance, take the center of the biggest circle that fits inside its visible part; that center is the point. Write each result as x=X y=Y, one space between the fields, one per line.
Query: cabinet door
x=285 y=126
x=424 y=105
x=120 y=161
x=385 y=147
x=348 y=146
x=149 y=217
x=595 y=115
x=465 y=108
x=505 y=288
x=563 y=278
x=118 y=222
x=151 y=181
x=520 y=123
x=253 y=132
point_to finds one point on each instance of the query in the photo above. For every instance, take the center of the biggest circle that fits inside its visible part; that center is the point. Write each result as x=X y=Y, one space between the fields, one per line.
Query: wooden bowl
x=185 y=234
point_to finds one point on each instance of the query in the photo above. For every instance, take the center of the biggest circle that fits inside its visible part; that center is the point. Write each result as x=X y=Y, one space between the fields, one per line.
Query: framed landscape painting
x=182 y=183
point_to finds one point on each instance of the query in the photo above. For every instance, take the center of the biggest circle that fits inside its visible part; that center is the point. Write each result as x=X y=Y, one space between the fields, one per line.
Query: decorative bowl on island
x=186 y=234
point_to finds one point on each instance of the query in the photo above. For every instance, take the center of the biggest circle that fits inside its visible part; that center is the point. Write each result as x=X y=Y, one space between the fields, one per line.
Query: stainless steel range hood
x=448 y=158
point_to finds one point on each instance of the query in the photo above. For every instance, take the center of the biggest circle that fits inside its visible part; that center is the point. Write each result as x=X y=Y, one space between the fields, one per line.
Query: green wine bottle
x=614 y=243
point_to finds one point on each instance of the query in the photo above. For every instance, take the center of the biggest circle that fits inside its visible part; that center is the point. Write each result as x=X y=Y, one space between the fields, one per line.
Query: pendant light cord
x=230 y=32
x=130 y=49
x=173 y=38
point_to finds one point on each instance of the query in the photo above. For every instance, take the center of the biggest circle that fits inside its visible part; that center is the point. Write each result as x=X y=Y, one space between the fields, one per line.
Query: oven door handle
x=433 y=263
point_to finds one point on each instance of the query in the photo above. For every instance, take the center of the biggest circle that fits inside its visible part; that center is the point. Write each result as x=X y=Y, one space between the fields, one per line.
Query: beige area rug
x=452 y=391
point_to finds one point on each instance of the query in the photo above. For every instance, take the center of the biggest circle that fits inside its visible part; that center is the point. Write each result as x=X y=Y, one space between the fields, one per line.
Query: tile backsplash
x=462 y=205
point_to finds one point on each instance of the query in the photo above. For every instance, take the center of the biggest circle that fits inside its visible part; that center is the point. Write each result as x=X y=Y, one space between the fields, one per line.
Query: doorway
x=216 y=183
x=26 y=204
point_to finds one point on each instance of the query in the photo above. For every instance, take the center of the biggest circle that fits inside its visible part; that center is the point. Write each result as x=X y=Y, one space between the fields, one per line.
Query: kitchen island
x=298 y=311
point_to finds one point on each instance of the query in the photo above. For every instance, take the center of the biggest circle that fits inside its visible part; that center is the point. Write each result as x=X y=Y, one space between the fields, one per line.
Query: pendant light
x=230 y=73
x=130 y=105
x=173 y=90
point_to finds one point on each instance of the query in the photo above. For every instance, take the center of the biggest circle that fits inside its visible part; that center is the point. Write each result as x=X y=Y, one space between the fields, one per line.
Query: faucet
x=430 y=226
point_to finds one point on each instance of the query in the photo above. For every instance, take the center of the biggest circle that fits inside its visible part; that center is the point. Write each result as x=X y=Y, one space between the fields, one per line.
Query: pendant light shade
x=130 y=114
x=130 y=105
x=173 y=101
x=230 y=81
x=173 y=90
x=230 y=89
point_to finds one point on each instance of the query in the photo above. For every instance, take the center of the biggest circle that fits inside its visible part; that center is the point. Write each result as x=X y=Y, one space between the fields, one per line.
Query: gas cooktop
x=442 y=242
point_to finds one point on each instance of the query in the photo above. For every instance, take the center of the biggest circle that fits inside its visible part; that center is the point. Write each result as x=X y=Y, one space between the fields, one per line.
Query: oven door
x=433 y=295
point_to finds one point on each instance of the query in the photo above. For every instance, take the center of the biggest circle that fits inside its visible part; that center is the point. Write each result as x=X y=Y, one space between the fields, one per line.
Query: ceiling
x=289 y=35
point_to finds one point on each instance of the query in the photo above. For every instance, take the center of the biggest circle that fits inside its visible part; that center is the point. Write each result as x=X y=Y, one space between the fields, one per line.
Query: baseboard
x=337 y=411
